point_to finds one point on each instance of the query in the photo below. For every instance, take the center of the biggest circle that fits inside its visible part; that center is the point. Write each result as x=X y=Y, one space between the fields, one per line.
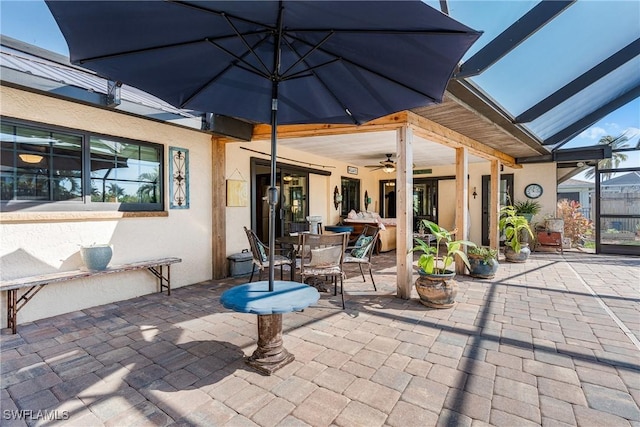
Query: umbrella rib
x=244 y=41
x=308 y=71
x=227 y=68
x=134 y=51
x=328 y=89
x=221 y=13
x=389 y=31
x=166 y=46
x=253 y=68
x=342 y=58
x=313 y=49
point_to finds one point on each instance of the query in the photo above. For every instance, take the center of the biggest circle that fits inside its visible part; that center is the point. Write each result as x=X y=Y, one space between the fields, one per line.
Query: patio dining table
x=255 y=298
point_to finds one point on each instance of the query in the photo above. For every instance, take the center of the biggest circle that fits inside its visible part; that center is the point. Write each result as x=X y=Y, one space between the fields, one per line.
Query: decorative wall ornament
x=237 y=193
x=179 y=173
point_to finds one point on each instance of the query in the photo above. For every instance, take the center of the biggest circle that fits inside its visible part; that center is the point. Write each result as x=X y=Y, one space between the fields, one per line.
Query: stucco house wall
x=42 y=242
x=539 y=173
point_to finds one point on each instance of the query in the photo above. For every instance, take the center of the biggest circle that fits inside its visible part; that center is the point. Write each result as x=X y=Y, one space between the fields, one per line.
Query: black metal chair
x=260 y=254
x=362 y=251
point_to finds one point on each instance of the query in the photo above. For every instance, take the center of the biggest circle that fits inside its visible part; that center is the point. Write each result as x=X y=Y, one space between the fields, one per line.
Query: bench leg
x=12 y=312
x=15 y=304
x=270 y=354
x=165 y=281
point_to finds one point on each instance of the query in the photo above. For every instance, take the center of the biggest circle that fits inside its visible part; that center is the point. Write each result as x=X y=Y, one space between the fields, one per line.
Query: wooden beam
x=390 y=122
x=435 y=132
x=218 y=203
x=404 y=212
x=422 y=127
x=462 y=200
x=494 y=205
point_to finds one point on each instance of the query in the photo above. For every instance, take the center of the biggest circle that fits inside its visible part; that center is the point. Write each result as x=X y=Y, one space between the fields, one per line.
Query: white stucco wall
x=540 y=173
x=44 y=245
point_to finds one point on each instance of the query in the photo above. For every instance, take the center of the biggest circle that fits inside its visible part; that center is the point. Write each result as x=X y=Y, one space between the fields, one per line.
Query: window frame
x=85 y=203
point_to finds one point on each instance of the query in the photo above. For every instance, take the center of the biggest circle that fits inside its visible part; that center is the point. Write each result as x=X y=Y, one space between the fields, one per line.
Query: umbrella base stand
x=270 y=354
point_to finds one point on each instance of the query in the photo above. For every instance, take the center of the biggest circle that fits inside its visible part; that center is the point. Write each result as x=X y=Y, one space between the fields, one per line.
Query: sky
x=30 y=21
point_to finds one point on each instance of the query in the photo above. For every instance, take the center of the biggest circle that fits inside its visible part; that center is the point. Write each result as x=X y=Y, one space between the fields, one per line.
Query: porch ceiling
x=369 y=148
x=461 y=111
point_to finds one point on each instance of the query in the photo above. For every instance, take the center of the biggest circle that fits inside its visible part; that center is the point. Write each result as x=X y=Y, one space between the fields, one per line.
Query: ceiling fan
x=386 y=165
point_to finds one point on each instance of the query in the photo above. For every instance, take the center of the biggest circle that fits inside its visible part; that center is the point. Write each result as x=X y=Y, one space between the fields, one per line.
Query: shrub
x=576 y=226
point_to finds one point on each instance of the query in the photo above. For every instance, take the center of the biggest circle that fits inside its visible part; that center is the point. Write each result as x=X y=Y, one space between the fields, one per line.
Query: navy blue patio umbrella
x=271 y=61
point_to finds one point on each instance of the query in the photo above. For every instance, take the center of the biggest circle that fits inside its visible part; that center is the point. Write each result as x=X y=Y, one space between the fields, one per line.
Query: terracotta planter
x=512 y=256
x=437 y=290
x=481 y=268
x=96 y=257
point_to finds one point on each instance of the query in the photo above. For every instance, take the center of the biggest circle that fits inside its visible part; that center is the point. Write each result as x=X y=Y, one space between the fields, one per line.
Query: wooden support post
x=218 y=209
x=404 y=211
x=462 y=200
x=494 y=205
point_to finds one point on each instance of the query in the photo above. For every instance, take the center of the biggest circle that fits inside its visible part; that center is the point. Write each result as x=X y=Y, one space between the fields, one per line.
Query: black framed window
x=350 y=195
x=57 y=169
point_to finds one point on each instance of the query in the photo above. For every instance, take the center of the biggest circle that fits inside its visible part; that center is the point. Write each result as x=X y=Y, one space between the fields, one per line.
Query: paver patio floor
x=553 y=341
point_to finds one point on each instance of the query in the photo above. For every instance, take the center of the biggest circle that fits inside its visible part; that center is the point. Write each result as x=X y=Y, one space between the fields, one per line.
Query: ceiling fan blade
x=374 y=168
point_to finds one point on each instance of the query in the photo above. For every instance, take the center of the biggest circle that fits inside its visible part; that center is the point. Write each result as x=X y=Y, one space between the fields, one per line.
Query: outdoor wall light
x=337 y=197
x=475 y=193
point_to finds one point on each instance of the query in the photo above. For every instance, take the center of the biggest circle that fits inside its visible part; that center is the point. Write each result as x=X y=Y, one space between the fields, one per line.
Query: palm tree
x=619 y=141
x=148 y=192
x=115 y=192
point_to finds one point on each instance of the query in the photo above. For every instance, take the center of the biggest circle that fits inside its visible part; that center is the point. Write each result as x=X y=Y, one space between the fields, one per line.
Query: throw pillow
x=361 y=246
x=263 y=253
x=324 y=257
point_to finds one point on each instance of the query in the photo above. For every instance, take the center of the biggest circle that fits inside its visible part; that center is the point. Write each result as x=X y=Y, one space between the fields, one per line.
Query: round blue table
x=255 y=298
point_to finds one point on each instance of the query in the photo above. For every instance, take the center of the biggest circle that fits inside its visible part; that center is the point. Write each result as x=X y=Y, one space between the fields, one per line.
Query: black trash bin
x=240 y=264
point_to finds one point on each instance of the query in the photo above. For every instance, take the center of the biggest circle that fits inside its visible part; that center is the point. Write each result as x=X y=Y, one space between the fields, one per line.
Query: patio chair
x=260 y=254
x=362 y=251
x=298 y=227
x=324 y=258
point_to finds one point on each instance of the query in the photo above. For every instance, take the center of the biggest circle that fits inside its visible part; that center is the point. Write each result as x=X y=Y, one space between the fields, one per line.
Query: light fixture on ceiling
x=288 y=178
x=389 y=169
x=580 y=164
x=30 y=158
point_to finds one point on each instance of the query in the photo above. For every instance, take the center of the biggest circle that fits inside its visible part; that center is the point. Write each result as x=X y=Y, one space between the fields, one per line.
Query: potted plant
x=527 y=208
x=514 y=226
x=435 y=284
x=483 y=262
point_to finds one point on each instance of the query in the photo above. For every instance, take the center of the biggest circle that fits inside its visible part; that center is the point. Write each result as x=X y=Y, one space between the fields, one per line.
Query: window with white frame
x=56 y=169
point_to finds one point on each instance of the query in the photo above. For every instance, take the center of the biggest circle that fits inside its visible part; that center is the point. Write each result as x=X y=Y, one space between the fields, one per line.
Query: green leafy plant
x=430 y=259
x=513 y=226
x=484 y=253
x=532 y=207
x=576 y=226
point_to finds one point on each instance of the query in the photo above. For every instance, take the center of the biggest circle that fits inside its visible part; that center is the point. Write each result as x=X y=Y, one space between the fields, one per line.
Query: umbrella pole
x=273 y=190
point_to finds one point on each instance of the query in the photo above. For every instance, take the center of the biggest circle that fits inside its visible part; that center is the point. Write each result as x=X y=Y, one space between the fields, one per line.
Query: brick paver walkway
x=553 y=341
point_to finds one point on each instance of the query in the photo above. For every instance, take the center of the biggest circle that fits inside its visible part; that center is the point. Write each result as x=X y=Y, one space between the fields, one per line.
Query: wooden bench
x=35 y=283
